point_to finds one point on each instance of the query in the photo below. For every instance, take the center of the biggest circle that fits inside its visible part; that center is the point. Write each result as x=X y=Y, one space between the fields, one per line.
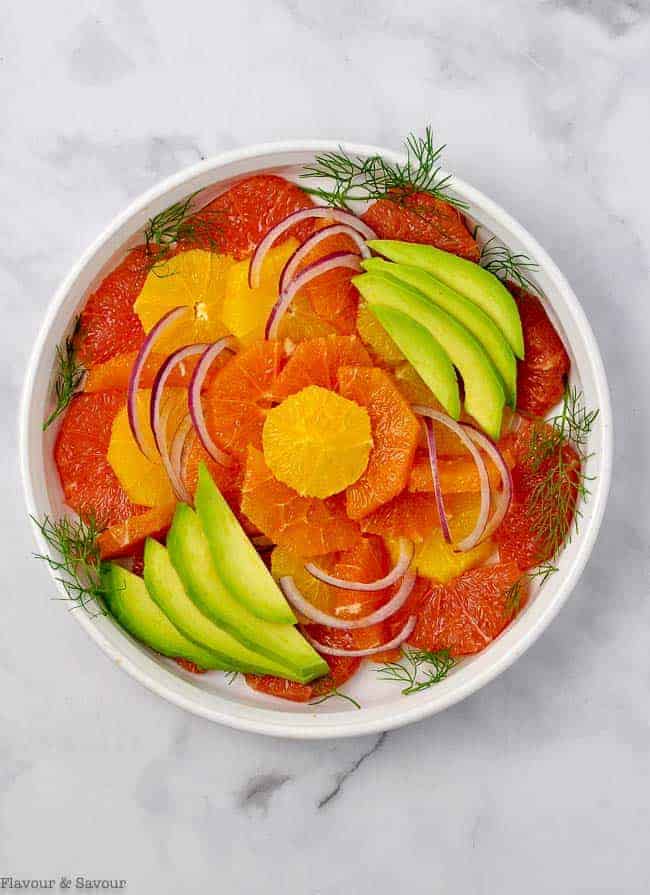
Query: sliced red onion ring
x=329 y=262
x=477 y=533
x=437 y=489
x=303 y=251
x=196 y=408
x=293 y=595
x=158 y=419
x=406 y=551
x=134 y=379
x=330 y=214
x=503 y=497
x=176 y=457
x=403 y=635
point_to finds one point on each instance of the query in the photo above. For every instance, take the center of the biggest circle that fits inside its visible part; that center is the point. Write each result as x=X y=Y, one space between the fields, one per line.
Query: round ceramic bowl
x=383 y=706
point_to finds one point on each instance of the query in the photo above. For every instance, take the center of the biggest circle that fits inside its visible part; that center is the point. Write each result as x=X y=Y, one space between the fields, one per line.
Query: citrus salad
x=306 y=425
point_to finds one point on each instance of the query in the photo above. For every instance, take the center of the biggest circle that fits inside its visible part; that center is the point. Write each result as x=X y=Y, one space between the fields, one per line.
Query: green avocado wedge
x=471 y=280
x=189 y=552
x=167 y=591
x=465 y=311
x=130 y=603
x=238 y=563
x=484 y=394
x=424 y=353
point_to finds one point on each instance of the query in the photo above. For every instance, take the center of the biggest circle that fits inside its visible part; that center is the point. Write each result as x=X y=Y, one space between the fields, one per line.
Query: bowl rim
x=378 y=718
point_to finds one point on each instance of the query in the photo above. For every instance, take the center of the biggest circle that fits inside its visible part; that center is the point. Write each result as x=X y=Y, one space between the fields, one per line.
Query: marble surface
x=540 y=782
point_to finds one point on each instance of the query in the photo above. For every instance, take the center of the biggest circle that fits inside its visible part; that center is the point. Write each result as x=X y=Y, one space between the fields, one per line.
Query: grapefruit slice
x=239 y=218
x=395 y=433
x=317 y=362
x=89 y=484
x=307 y=525
x=541 y=375
x=422 y=218
x=108 y=324
x=466 y=614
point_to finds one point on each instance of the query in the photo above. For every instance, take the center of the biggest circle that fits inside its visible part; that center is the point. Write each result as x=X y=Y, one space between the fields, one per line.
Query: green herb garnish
x=231 y=677
x=507 y=265
x=435 y=666
x=179 y=223
x=368 y=179
x=335 y=692
x=68 y=377
x=555 y=502
x=75 y=557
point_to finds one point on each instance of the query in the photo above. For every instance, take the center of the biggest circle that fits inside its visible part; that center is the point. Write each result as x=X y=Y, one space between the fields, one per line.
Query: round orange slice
x=196 y=280
x=317 y=442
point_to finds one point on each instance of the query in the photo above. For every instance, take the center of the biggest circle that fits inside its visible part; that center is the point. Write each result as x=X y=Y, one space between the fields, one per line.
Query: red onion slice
x=134 y=379
x=329 y=262
x=293 y=595
x=403 y=635
x=303 y=251
x=406 y=551
x=503 y=497
x=476 y=534
x=196 y=408
x=158 y=420
x=437 y=489
x=330 y=214
x=176 y=457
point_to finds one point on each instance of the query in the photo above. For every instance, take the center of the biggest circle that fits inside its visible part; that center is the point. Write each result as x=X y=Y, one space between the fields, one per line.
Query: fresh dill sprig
x=231 y=677
x=335 y=692
x=353 y=178
x=435 y=666
x=555 y=503
x=69 y=375
x=179 y=223
x=74 y=557
x=507 y=265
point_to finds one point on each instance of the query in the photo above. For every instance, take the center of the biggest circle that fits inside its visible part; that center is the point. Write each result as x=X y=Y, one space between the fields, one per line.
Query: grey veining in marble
x=540 y=782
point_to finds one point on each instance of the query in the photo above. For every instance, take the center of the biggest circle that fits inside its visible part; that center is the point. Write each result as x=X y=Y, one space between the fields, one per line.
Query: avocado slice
x=189 y=552
x=129 y=602
x=167 y=591
x=238 y=563
x=424 y=353
x=471 y=280
x=465 y=311
x=484 y=394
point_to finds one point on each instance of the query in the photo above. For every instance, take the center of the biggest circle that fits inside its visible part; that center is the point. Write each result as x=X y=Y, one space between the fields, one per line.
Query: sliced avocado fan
x=465 y=311
x=471 y=280
x=484 y=393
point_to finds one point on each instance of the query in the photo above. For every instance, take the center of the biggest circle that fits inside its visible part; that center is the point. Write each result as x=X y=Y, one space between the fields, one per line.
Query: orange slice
x=143 y=476
x=307 y=525
x=236 y=401
x=375 y=337
x=195 y=279
x=317 y=361
x=395 y=432
x=317 y=442
x=245 y=310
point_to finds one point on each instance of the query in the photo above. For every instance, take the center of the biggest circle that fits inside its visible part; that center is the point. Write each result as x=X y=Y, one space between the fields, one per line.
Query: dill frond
x=353 y=178
x=179 y=223
x=337 y=693
x=507 y=265
x=74 y=557
x=435 y=666
x=69 y=376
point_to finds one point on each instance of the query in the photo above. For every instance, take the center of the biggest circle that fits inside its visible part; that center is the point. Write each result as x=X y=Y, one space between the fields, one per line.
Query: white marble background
x=540 y=782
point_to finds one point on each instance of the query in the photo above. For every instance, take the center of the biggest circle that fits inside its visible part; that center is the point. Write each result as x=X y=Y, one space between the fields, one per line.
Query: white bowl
x=383 y=705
